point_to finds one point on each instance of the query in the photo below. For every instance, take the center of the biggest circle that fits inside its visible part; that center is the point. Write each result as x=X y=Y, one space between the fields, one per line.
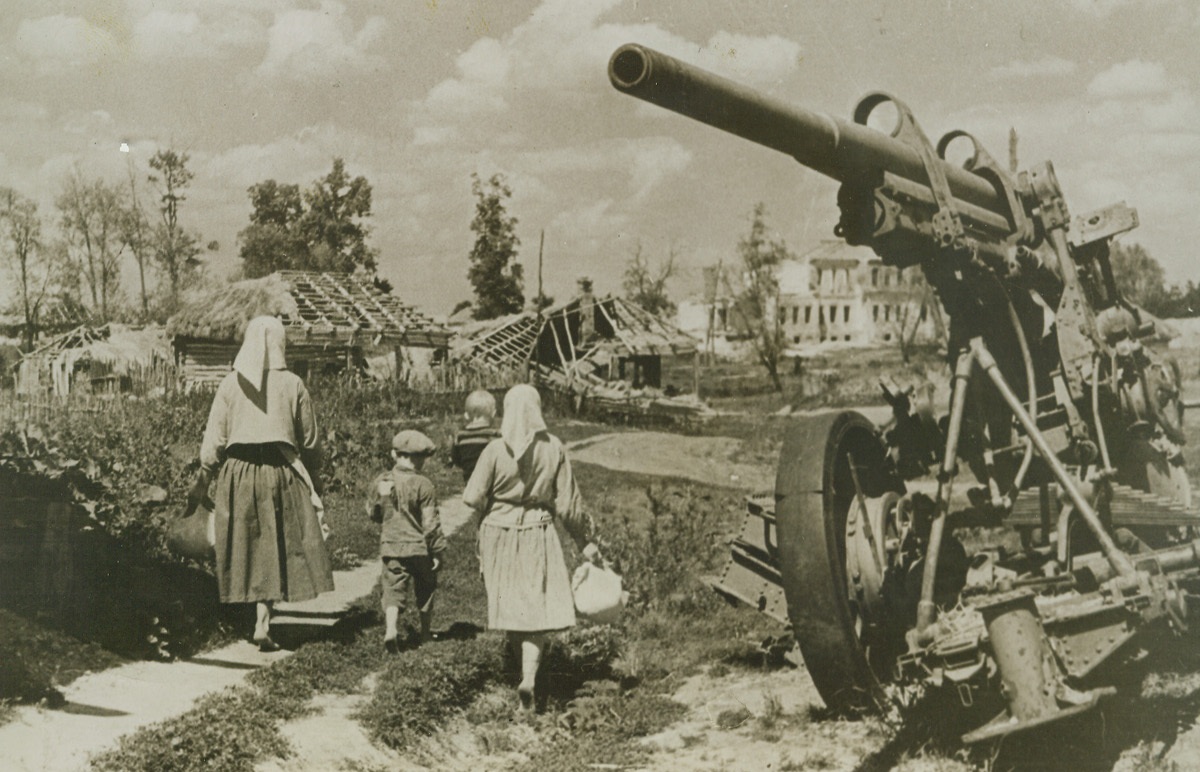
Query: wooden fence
x=46 y=408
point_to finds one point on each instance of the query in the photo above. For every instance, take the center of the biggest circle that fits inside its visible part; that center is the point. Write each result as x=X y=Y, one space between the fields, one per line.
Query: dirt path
x=703 y=459
x=104 y=706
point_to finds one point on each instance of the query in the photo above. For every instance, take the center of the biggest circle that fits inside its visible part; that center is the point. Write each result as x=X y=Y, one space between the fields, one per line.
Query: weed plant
x=36 y=661
x=420 y=688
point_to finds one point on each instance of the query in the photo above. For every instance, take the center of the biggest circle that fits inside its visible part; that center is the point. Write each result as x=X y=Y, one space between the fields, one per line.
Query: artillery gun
x=1069 y=429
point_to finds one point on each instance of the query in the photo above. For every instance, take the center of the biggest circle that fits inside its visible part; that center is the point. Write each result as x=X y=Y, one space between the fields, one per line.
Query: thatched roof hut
x=329 y=319
x=104 y=359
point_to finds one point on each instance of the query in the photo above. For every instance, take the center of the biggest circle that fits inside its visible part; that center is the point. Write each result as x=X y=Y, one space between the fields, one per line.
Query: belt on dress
x=521 y=523
x=263 y=454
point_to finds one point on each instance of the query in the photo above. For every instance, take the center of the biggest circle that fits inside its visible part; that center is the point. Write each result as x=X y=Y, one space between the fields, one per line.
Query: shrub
x=663 y=556
x=421 y=687
x=228 y=731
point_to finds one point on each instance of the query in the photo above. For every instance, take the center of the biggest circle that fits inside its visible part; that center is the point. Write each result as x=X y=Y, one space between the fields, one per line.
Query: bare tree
x=915 y=305
x=646 y=285
x=92 y=216
x=21 y=242
x=175 y=249
x=757 y=304
x=135 y=236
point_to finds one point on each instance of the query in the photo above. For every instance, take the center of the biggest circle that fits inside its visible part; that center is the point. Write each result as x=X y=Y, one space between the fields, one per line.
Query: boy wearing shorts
x=411 y=543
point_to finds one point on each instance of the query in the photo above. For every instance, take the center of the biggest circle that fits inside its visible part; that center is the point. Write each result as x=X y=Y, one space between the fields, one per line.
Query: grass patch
x=420 y=688
x=603 y=725
x=230 y=730
x=35 y=661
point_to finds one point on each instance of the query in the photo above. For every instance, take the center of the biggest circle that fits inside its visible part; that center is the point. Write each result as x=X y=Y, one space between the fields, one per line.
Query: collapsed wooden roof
x=498 y=343
x=116 y=345
x=316 y=308
x=561 y=333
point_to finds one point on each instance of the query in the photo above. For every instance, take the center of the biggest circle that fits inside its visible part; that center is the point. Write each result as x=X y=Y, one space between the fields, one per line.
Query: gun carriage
x=1062 y=426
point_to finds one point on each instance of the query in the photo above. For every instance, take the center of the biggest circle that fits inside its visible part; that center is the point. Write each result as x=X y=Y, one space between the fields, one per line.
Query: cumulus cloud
x=304 y=44
x=167 y=33
x=299 y=157
x=1104 y=8
x=751 y=59
x=553 y=64
x=1045 y=67
x=1135 y=78
x=654 y=160
x=60 y=41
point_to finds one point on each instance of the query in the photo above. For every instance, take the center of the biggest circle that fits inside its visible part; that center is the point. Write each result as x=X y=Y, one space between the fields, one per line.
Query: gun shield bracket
x=947 y=226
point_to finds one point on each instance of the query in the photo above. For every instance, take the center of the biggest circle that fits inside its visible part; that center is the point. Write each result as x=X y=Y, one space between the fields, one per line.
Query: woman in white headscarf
x=520 y=486
x=262 y=436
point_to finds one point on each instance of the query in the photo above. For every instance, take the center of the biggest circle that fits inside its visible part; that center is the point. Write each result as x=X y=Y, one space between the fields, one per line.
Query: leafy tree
x=757 y=302
x=498 y=281
x=646 y=285
x=332 y=224
x=1138 y=275
x=1181 y=301
x=20 y=242
x=321 y=229
x=272 y=241
x=92 y=216
x=540 y=302
x=176 y=250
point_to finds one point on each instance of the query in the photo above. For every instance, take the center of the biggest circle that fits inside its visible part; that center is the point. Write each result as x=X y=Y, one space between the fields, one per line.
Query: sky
x=416 y=95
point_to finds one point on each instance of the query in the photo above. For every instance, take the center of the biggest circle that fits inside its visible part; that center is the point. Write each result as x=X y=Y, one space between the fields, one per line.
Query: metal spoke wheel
x=835 y=593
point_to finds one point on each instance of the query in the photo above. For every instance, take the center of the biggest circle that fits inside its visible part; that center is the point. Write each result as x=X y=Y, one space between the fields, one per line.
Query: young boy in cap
x=480 y=413
x=411 y=541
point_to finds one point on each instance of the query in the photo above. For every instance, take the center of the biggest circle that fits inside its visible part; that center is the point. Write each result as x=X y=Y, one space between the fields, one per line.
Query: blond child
x=411 y=543
x=480 y=415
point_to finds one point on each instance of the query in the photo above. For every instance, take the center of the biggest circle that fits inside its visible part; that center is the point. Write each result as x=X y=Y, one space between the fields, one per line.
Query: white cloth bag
x=598 y=594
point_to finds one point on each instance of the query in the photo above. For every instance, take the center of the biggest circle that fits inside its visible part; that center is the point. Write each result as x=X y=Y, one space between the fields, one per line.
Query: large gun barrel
x=839 y=149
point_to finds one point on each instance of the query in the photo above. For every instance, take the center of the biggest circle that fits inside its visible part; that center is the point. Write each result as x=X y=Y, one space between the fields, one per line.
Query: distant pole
x=540 y=295
x=1012 y=150
x=696 y=372
x=538 y=300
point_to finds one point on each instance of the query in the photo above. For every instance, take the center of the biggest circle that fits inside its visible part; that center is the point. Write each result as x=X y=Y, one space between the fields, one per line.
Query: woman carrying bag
x=262 y=437
x=520 y=486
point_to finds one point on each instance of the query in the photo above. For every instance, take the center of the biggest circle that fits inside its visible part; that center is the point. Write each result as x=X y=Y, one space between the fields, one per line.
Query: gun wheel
x=833 y=585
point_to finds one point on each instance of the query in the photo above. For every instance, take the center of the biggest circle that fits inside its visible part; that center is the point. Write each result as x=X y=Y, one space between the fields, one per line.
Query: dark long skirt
x=269 y=544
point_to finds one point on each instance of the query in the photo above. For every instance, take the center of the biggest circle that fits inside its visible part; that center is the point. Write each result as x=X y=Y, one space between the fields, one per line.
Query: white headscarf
x=262 y=350
x=522 y=418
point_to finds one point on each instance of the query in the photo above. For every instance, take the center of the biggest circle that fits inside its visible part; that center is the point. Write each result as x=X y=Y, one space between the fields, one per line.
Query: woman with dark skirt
x=261 y=442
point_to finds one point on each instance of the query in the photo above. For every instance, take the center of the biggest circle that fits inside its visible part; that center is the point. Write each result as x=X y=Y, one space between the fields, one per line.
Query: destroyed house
x=605 y=339
x=332 y=320
x=105 y=359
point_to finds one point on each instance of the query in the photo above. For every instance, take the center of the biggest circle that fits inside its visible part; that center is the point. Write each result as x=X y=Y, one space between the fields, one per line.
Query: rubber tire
x=811 y=523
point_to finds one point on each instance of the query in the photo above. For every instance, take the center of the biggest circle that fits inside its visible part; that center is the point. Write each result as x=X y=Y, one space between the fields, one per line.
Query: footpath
x=102 y=707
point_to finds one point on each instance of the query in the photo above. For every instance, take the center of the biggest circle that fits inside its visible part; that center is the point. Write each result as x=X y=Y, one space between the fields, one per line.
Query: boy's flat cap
x=413 y=443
